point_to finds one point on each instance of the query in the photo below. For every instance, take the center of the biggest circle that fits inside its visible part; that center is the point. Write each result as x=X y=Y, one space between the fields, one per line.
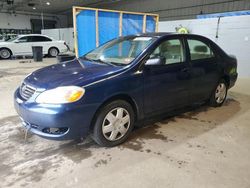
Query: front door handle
x=185 y=70
x=185 y=73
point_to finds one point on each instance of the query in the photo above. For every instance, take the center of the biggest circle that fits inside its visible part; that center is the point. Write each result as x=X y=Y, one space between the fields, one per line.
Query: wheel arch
x=124 y=97
x=55 y=48
x=227 y=79
x=11 y=53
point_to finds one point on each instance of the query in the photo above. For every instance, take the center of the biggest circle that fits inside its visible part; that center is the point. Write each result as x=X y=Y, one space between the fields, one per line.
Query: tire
x=113 y=123
x=219 y=94
x=5 y=53
x=53 y=52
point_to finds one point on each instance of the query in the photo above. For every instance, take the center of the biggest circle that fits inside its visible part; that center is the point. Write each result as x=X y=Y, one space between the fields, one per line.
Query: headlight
x=61 y=95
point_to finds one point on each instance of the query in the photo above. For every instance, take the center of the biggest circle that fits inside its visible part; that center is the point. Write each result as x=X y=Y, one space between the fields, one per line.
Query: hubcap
x=116 y=124
x=220 y=93
x=53 y=52
x=5 y=54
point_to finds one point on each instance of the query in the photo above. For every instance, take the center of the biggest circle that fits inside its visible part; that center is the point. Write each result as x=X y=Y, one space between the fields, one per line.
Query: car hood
x=76 y=72
x=4 y=43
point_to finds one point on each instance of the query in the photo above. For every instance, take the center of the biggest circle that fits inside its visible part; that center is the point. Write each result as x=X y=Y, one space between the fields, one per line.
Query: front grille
x=26 y=91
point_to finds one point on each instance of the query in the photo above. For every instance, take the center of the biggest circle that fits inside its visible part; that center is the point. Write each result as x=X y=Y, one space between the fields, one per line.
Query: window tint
x=199 y=50
x=23 y=39
x=40 y=39
x=171 y=50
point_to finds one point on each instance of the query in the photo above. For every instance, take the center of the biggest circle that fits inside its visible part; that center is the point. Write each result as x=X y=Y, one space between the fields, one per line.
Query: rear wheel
x=5 y=53
x=113 y=123
x=219 y=94
x=53 y=52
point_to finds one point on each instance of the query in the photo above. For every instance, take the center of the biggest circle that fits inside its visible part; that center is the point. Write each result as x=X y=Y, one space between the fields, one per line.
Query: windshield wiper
x=104 y=62
x=87 y=59
x=117 y=64
x=93 y=60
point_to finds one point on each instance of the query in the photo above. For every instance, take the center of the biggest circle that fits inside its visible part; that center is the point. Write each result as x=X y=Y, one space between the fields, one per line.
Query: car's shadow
x=190 y=121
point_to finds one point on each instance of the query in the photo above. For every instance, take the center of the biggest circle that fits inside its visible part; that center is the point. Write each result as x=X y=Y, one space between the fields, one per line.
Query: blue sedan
x=105 y=92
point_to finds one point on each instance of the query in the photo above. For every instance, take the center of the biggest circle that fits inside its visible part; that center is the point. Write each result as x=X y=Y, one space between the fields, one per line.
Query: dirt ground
x=205 y=147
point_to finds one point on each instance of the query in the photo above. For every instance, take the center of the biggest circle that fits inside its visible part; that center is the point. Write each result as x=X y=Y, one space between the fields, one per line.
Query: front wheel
x=5 y=53
x=219 y=94
x=113 y=123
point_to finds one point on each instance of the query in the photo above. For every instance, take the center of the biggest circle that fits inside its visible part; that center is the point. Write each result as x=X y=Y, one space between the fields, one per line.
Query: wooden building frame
x=77 y=10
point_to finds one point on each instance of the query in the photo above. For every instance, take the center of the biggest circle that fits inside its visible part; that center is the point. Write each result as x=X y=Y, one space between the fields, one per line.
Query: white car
x=22 y=45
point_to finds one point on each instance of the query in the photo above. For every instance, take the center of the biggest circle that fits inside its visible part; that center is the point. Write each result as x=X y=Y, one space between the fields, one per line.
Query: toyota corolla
x=106 y=91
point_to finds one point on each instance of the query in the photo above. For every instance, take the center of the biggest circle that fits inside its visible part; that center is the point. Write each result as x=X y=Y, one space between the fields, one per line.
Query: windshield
x=12 y=39
x=120 y=51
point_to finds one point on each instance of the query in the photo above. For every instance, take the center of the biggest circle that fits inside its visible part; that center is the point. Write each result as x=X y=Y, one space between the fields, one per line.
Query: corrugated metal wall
x=176 y=10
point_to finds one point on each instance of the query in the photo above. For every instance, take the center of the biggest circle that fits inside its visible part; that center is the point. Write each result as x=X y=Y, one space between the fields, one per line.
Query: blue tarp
x=108 y=26
x=86 y=31
x=132 y=24
x=150 y=24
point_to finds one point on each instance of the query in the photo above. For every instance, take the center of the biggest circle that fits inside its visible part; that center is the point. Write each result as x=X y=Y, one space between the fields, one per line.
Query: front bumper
x=56 y=122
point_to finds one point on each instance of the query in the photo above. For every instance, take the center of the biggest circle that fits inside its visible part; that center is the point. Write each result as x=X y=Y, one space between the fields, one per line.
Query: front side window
x=171 y=51
x=23 y=39
x=120 y=51
x=199 y=50
x=12 y=39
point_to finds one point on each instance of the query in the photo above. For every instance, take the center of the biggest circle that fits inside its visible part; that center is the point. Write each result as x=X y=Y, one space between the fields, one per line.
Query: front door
x=23 y=46
x=166 y=85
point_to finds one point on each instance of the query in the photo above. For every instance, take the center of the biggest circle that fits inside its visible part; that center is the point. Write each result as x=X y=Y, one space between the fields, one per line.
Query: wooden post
x=120 y=24
x=96 y=28
x=75 y=32
x=144 y=23
x=157 y=23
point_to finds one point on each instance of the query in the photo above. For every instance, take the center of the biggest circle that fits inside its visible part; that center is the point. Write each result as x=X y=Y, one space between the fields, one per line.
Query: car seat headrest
x=200 y=49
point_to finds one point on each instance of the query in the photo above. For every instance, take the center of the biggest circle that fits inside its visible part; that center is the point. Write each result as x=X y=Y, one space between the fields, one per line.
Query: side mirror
x=16 y=41
x=155 y=61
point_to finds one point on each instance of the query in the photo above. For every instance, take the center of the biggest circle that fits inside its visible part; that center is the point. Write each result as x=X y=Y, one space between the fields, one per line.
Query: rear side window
x=40 y=39
x=199 y=50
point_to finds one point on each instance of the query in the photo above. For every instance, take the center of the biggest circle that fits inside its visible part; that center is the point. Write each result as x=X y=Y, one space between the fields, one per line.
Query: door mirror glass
x=155 y=61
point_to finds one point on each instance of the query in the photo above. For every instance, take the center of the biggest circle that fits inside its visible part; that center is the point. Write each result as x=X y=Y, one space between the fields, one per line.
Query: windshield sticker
x=142 y=39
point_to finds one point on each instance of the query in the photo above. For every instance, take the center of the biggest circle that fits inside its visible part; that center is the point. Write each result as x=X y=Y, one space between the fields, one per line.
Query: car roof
x=33 y=35
x=155 y=34
x=163 y=34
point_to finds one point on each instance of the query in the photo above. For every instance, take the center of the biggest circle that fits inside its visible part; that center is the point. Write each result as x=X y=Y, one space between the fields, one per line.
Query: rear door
x=166 y=86
x=43 y=41
x=205 y=72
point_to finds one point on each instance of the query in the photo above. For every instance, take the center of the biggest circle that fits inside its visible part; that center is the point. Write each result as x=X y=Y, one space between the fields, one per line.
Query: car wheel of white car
x=5 y=53
x=53 y=52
